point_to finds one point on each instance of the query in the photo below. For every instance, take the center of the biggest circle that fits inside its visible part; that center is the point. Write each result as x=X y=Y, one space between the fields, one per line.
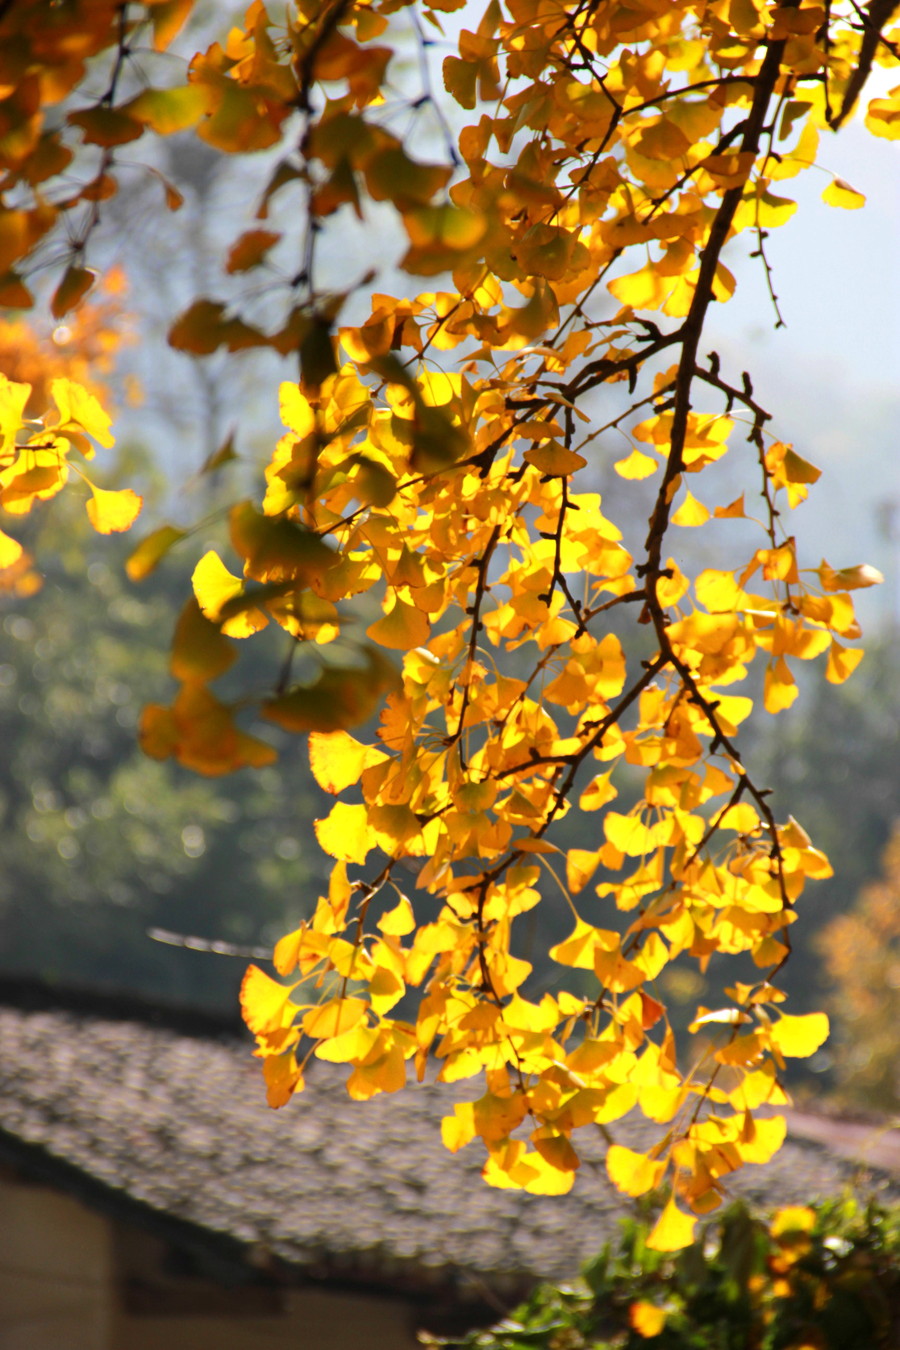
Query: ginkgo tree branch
x=430 y=489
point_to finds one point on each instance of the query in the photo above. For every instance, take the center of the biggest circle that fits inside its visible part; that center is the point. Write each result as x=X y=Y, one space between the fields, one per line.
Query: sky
x=833 y=373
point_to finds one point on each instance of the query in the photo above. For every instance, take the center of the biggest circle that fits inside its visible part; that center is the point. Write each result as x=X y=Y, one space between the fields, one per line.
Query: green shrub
x=825 y=1279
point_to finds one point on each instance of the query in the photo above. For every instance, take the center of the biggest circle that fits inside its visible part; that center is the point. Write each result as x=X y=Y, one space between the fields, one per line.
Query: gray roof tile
x=327 y=1185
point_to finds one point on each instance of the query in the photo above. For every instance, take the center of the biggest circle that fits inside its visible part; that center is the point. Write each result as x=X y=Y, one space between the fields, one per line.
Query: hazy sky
x=833 y=374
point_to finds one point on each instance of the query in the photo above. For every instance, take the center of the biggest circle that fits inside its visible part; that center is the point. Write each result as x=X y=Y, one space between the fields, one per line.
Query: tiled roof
x=173 y=1127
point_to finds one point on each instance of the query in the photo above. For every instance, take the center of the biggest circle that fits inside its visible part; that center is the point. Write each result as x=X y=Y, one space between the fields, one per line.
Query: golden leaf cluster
x=438 y=481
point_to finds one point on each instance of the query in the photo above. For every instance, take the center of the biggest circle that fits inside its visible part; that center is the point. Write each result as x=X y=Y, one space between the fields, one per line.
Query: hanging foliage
x=442 y=463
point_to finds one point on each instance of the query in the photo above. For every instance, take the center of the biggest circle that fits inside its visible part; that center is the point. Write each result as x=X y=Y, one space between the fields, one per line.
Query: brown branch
x=481 y=588
x=876 y=17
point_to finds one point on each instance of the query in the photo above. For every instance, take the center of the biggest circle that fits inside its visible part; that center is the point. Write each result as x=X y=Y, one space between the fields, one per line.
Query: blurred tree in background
x=861 y=951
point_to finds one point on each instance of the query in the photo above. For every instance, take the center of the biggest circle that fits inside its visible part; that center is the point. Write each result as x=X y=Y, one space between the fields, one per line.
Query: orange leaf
x=283 y=1077
x=250 y=250
x=646 y=1319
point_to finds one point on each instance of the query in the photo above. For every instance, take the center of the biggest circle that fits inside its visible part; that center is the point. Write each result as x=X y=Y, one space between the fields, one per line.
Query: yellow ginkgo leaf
x=345 y=833
x=792 y=1219
x=10 y=550
x=645 y=289
x=779 y=687
x=636 y=465
x=691 y=513
x=541 y=1177
x=799 y=1036
x=403 y=628
x=338 y=760
x=113 y=512
x=348 y=1046
x=266 y=1004
x=673 y=1230
x=581 y=864
x=840 y=193
x=628 y=833
x=733 y=511
x=399 y=921
x=760 y=1140
x=633 y=1173
x=554 y=460
x=214 y=585
x=333 y=1018
x=296 y=412
x=842 y=661
x=77 y=407
x=599 y=792
x=578 y=948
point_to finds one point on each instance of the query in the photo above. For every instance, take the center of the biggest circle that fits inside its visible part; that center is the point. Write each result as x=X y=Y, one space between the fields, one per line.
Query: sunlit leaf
x=840 y=193
x=112 y=512
x=266 y=1004
x=10 y=550
x=646 y=1318
x=633 y=1173
x=673 y=1230
x=344 y=833
x=332 y=1018
x=799 y=1036
x=337 y=760
x=691 y=513
x=637 y=465
x=78 y=407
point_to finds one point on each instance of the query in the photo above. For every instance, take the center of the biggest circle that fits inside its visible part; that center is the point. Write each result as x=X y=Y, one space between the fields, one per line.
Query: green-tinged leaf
x=151 y=551
x=199 y=651
x=337 y=700
x=166 y=111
